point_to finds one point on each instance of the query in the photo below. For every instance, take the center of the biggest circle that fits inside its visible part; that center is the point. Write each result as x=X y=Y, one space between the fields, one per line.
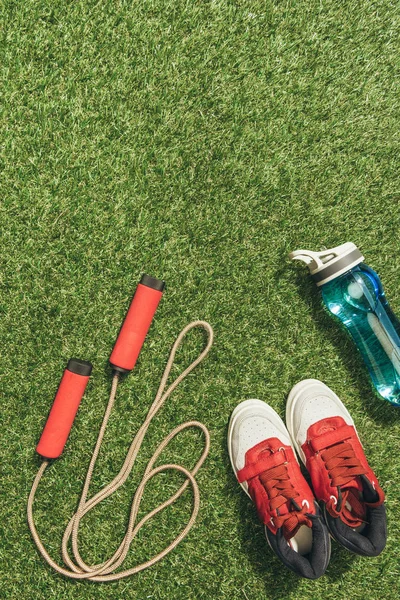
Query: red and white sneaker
x=347 y=489
x=266 y=467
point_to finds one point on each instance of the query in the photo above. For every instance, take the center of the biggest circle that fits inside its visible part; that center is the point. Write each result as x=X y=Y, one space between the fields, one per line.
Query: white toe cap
x=252 y=422
x=310 y=401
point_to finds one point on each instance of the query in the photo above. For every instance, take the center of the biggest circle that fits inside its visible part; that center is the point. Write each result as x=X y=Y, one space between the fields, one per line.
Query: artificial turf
x=199 y=142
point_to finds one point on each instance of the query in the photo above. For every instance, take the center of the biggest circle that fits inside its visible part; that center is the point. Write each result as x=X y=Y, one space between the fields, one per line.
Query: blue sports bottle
x=353 y=293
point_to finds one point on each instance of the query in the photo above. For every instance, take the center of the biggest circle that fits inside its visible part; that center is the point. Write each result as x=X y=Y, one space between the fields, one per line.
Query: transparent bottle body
x=357 y=299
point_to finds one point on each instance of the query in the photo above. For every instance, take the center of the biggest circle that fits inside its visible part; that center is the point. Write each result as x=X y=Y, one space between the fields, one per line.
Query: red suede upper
x=323 y=435
x=258 y=461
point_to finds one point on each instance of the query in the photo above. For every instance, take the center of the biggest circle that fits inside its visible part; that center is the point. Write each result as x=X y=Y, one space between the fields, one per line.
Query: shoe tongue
x=354 y=502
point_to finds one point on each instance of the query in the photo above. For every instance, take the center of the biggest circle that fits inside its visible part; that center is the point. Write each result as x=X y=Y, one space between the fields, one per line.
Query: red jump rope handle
x=65 y=406
x=136 y=324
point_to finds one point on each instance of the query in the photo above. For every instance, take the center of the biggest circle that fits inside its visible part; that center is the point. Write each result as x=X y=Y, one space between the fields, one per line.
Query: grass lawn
x=200 y=142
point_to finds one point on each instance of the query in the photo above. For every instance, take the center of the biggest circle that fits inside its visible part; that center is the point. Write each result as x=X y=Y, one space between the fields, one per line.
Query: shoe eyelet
x=334 y=499
x=306 y=503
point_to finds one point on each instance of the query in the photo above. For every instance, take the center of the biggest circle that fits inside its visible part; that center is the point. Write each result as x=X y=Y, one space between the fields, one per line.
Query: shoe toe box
x=252 y=422
x=311 y=402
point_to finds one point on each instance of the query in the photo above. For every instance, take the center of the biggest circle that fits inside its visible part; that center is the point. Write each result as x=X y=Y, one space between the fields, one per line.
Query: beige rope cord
x=106 y=571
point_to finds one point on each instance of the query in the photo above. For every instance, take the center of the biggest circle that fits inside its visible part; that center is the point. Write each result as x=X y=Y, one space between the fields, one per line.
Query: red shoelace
x=280 y=490
x=343 y=467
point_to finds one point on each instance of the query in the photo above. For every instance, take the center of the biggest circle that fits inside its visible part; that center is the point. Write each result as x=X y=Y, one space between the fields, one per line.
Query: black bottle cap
x=80 y=367
x=152 y=282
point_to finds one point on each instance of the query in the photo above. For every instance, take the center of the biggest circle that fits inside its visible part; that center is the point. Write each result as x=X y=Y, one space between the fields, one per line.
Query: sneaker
x=266 y=467
x=347 y=489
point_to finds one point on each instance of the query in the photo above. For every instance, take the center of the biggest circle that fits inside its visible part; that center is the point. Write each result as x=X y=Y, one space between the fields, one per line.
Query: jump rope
x=55 y=433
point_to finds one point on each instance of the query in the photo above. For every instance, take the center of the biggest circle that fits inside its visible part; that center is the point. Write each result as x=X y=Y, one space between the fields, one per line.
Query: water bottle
x=353 y=293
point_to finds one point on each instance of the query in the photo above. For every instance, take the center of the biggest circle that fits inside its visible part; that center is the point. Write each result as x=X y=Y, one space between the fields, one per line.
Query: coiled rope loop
x=105 y=571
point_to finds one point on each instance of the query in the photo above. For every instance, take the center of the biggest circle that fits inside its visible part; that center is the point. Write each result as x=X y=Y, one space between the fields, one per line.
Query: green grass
x=199 y=142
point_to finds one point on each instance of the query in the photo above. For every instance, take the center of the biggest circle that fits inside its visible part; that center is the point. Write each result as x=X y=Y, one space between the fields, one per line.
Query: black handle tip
x=79 y=367
x=152 y=282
